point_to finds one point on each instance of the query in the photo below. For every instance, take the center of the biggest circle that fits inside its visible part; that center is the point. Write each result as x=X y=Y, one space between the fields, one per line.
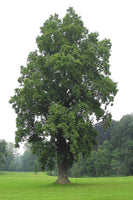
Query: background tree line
x=114 y=153
x=112 y=156
x=11 y=160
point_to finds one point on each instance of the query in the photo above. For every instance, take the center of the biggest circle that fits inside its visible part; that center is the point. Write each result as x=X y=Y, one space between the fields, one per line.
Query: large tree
x=65 y=84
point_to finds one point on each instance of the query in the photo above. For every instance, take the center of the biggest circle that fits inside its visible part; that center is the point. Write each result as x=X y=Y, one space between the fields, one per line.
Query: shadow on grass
x=71 y=185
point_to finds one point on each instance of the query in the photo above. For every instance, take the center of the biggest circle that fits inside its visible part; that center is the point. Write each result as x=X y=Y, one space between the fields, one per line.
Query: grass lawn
x=28 y=186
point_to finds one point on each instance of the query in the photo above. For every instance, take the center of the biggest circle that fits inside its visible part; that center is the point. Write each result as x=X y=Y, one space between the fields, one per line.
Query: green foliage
x=113 y=156
x=122 y=138
x=3 y=152
x=10 y=157
x=103 y=159
x=116 y=162
x=13 y=161
x=65 y=83
x=104 y=133
x=36 y=166
x=10 y=164
x=28 y=161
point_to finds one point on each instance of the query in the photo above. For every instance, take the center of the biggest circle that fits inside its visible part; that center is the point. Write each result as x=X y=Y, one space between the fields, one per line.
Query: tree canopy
x=65 y=84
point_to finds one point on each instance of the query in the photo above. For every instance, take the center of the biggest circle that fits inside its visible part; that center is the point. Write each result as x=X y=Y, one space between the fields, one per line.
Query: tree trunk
x=62 y=175
x=62 y=155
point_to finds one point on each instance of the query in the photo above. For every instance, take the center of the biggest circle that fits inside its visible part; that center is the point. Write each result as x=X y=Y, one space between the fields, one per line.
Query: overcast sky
x=20 y=22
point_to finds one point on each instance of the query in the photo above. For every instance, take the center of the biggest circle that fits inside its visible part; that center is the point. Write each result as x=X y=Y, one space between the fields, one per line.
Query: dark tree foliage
x=122 y=142
x=65 y=83
x=104 y=134
x=3 y=153
x=10 y=164
x=114 y=156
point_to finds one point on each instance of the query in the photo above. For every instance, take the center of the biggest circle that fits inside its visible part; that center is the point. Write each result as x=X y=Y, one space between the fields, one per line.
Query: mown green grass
x=28 y=186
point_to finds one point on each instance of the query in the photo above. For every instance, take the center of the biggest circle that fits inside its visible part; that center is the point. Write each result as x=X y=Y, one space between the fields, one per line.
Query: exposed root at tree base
x=62 y=181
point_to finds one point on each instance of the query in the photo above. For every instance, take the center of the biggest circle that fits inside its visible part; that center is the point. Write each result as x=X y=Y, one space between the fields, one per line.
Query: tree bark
x=62 y=175
x=62 y=159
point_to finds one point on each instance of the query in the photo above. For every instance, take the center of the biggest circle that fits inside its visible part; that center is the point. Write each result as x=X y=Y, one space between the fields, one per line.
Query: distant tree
x=113 y=156
x=90 y=165
x=84 y=167
x=78 y=169
x=103 y=159
x=66 y=83
x=122 y=142
x=28 y=161
x=128 y=158
x=3 y=153
x=36 y=166
x=104 y=133
x=117 y=162
x=10 y=164
x=18 y=162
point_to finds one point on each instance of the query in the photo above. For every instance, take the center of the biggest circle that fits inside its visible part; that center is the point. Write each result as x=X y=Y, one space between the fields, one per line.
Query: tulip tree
x=65 y=84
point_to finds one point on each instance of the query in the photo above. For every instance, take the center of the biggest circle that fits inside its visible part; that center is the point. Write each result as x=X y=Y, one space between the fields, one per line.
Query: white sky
x=20 y=22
